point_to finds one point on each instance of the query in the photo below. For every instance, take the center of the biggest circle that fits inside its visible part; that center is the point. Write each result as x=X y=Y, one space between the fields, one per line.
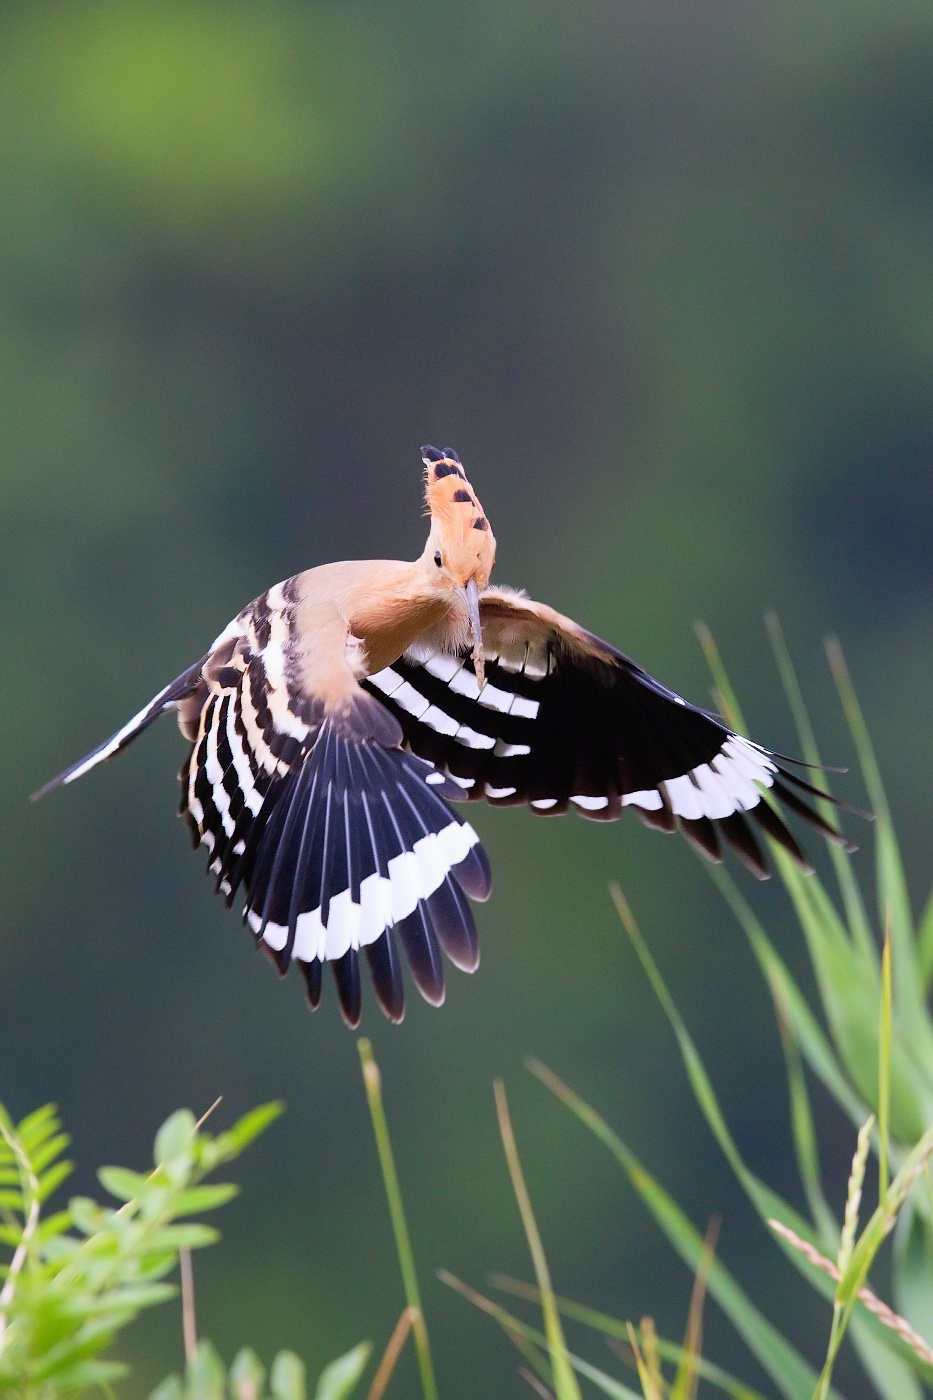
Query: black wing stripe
x=595 y=735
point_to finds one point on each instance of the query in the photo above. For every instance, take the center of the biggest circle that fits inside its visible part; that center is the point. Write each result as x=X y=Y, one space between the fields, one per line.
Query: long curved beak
x=471 y=597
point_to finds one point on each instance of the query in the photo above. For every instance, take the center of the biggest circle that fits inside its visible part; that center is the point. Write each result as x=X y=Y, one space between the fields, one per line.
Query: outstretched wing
x=566 y=720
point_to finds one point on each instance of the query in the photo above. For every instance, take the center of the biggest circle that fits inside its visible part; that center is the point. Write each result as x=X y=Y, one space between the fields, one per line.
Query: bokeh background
x=663 y=274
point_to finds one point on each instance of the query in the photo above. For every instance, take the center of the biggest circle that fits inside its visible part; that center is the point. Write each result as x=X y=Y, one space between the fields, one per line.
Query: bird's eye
x=437 y=558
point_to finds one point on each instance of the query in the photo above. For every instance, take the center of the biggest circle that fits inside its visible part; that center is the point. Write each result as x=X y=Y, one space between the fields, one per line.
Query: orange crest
x=459 y=528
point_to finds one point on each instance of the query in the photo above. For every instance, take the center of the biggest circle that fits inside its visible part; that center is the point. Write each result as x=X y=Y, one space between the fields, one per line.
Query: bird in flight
x=335 y=718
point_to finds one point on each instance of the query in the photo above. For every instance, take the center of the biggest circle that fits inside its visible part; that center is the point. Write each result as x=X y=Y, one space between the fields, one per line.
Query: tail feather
x=167 y=699
x=354 y=848
x=741 y=838
x=349 y=991
x=385 y=968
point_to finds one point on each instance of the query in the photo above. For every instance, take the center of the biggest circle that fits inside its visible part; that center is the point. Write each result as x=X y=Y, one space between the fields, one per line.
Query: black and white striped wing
x=565 y=720
x=342 y=843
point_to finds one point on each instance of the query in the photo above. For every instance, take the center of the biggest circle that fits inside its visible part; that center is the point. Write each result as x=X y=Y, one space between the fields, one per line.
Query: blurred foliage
x=662 y=274
x=75 y=1279
x=206 y=1377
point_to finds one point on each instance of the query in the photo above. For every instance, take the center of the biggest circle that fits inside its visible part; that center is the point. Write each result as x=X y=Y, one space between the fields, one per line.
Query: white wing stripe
x=442 y=666
x=387 y=680
x=649 y=798
x=439 y=721
x=245 y=777
x=473 y=740
x=495 y=699
x=590 y=804
x=523 y=707
x=504 y=750
x=409 y=699
x=413 y=876
x=464 y=683
x=684 y=798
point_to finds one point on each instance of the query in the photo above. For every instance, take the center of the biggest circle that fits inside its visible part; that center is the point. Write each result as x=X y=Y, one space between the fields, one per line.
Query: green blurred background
x=662 y=273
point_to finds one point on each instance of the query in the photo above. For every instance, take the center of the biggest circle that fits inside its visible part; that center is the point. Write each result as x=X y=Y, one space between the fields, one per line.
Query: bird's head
x=461 y=548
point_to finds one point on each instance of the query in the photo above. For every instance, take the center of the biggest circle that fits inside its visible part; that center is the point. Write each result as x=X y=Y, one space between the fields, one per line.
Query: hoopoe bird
x=335 y=718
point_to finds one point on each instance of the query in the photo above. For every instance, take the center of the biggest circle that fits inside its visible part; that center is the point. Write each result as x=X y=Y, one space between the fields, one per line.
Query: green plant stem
x=372 y=1081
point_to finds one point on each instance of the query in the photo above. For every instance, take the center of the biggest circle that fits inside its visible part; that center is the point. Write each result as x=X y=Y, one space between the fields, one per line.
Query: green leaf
x=339 y=1379
x=287 y=1378
x=37 y=1126
x=236 y=1139
x=372 y=1084
x=205 y=1376
x=51 y=1179
x=174 y=1148
x=171 y=1238
x=86 y=1214
x=120 y=1182
x=247 y=1376
x=200 y=1198
x=43 y=1155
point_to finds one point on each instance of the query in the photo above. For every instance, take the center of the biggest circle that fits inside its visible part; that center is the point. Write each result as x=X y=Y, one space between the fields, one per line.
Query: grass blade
x=892 y=884
x=884 y=1065
x=851 y=895
x=521 y=1335
x=565 y=1382
x=803 y=1128
x=814 y=1046
x=793 y=1377
x=925 y=944
x=391 y=1354
x=617 y=1331
x=766 y=1202
x=688 y=1371
x=372 y=1081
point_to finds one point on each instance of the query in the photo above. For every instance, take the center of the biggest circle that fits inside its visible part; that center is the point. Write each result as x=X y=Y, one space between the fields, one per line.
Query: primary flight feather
x=335 y=718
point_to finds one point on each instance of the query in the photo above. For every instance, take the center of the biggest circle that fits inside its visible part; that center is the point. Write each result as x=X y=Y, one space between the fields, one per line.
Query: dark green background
x=663 y=273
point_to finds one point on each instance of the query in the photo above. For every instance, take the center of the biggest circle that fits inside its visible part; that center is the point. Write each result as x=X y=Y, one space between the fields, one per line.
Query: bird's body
x=335 y=717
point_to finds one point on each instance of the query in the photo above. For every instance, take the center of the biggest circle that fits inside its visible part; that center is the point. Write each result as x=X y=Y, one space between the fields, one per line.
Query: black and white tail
x=353 y=851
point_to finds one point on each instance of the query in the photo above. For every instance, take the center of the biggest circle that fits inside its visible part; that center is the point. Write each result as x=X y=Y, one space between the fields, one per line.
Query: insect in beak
x=471 y=597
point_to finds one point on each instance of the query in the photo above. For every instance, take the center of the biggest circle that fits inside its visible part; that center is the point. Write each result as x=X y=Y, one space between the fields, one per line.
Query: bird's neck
x=402 y=607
